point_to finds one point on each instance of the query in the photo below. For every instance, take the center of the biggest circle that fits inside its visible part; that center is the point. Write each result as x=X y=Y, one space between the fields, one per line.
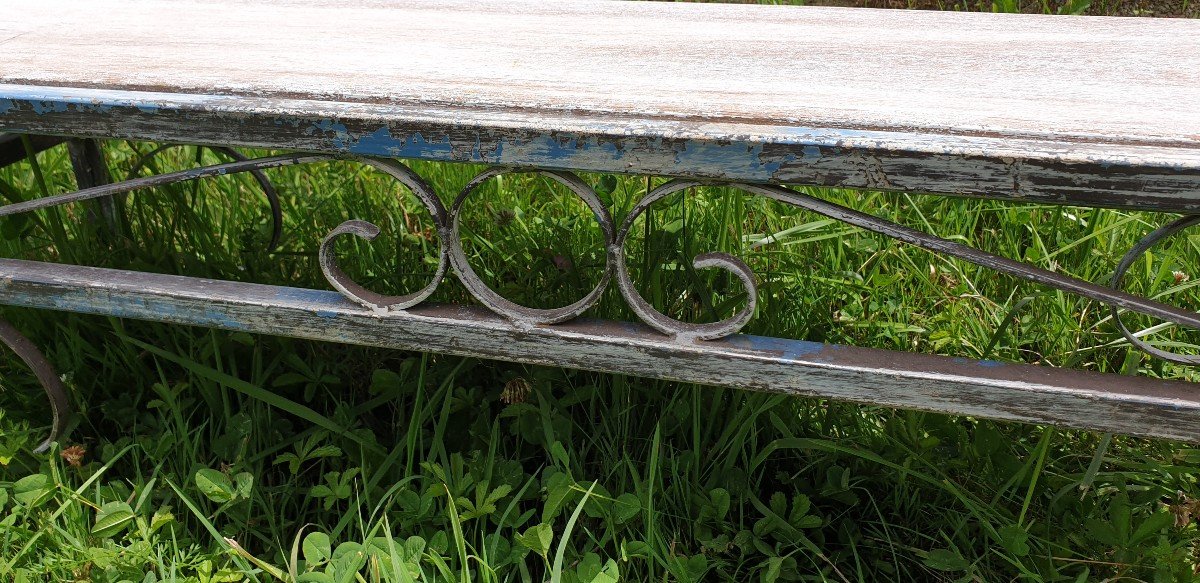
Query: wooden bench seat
x=1082 y=110
x=1069 y=110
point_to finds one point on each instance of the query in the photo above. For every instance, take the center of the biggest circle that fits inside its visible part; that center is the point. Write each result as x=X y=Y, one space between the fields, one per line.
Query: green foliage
x=221 y=456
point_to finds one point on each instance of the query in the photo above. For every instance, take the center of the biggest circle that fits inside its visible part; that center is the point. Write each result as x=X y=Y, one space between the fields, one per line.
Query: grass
x=216 y=456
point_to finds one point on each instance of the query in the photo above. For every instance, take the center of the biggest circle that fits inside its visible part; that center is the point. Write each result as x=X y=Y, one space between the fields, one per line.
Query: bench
x=1081 y=111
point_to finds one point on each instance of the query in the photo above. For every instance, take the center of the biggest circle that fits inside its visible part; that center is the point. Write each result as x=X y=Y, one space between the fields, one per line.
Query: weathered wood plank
x=1083 y=110
x=1140 y=406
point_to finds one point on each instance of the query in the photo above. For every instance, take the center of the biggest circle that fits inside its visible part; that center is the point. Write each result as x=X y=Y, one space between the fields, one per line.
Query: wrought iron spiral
x=616 y=267
x=1127 y=261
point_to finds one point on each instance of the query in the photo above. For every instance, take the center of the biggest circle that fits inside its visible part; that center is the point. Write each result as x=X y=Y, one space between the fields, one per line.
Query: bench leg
x=87 y=161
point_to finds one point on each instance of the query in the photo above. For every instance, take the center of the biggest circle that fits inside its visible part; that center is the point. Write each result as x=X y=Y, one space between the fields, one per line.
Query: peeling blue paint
x=44 y=107
x=223 y=320
x=415 y=146
x=94 y=107
x=731 y=159
x=381 y=142
x=557 y=151
x=958 y=360
x=339 y=131
x=140 y=309
x=787 y=349
x=328 y=299
x=495 y=157
x=791 y=153
x=776 y=163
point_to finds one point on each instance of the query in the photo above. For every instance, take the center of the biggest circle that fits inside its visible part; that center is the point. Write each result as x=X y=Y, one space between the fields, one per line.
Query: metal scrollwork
x=1119 y=274
x=494 y=301
x=260 y=177
x=660 y=321
x=451 y=254
x=616 y=264
x=60 y=404
x=360 y=295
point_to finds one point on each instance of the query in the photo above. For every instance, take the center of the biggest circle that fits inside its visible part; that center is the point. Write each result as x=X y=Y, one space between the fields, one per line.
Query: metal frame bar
x=1018 y=392
x=87 y=162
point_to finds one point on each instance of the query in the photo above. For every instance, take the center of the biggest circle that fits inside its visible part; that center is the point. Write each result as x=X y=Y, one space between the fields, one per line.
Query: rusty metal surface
x=1139 y=406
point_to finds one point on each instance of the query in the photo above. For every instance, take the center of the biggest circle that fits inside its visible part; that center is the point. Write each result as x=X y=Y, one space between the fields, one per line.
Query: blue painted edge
x=723 y=156
x=594 y=145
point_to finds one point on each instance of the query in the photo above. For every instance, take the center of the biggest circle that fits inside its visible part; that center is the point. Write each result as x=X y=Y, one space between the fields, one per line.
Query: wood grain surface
x=1088 y=110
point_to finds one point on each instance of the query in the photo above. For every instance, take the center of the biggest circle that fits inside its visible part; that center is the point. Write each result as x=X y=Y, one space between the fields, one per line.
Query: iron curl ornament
x=451 y=255
x=448 y=225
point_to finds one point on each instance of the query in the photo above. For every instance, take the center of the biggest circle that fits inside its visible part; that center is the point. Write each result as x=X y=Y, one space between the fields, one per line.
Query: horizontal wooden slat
x=1139 y=406
x=1085 y=110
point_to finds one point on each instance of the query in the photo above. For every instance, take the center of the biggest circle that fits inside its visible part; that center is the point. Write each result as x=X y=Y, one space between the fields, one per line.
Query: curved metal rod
x=161 y=179
x=494 y=301
x=981 y=258
x=660 y=321
x=361 y=295
x=1126 y=262
x=616 y=263
x=259 y=176
x=451 y=252
x=60 y=404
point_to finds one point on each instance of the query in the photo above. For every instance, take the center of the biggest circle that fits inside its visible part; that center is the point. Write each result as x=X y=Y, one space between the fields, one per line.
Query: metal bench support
x=991 y=389
x=662 y=348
